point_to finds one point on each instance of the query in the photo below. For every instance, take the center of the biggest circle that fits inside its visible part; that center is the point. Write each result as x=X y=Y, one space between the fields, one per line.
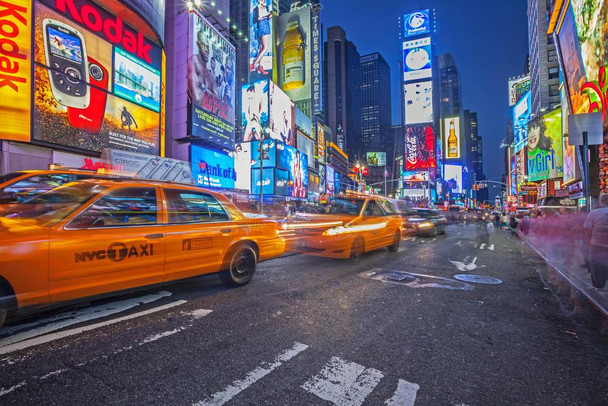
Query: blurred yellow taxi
x=94 y=237
x=349 y=227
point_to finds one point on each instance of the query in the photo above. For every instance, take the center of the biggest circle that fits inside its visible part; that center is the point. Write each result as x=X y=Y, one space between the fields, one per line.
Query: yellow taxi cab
x=93 y=237
x=17 y=187
x=349 y=227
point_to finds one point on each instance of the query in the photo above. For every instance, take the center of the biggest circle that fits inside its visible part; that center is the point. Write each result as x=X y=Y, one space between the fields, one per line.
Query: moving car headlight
x=425 y=224
x=335 y=231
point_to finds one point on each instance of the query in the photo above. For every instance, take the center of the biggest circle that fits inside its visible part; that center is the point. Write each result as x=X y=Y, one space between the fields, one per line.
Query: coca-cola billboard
x=419 y=148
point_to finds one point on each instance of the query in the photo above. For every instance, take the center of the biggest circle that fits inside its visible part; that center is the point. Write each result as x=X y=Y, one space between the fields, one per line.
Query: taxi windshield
x=51 y=207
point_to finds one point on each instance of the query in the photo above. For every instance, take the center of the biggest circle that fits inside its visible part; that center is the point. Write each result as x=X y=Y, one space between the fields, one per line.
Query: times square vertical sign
x=316 y=63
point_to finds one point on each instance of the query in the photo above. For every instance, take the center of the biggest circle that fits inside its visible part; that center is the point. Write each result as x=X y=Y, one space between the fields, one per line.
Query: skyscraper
x=450 y=102
x=343 y=89
x=544 y=66
x=376 y=132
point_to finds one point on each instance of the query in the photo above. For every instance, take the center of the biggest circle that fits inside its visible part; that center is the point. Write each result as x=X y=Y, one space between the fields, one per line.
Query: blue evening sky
x=488 y=39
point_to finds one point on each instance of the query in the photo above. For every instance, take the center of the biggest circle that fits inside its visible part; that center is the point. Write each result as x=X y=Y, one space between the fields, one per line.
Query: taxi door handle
x=155 y=236
x=226 y=231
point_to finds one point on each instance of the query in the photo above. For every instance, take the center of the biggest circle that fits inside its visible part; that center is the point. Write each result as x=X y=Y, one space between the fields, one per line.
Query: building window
x=552 y=55
x=554 y=73
x=553 y=90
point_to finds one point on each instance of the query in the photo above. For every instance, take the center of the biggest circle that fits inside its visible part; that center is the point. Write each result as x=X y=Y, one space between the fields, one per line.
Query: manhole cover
x=487 y=280
x=415 y=280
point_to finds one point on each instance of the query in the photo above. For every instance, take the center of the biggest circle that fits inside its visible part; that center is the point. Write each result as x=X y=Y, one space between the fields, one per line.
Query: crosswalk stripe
x=405 y=395
x=220 y=398
x=344 y=383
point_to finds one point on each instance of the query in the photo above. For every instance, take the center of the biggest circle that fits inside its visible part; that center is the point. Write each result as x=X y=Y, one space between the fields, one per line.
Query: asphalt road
x=391 y=329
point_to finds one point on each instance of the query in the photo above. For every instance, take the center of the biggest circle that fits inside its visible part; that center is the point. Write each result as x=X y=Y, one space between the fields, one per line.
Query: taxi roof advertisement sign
x=417 y=23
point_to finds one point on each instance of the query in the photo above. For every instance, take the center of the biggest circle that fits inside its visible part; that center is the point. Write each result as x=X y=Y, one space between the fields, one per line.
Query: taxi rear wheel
x=241 y=266
x=3 y=306
x=394 y=247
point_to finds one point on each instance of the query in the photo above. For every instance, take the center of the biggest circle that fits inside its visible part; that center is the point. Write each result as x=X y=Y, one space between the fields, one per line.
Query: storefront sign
x=575 y=191
x=15 y=69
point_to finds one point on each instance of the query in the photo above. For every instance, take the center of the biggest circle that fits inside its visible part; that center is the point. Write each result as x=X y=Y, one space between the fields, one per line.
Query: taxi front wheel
x=3 y=307
x=241 y=266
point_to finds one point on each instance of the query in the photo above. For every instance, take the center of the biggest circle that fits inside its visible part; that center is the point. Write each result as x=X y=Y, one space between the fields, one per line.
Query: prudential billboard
x=416 y=23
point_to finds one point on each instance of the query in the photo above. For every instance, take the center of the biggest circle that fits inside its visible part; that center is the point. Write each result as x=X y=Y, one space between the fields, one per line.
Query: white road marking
x=238 y=386
x=405 y=395
x=466 y=266
x=491 y=247
x=459 y=243
x=483 y=244
x=59 y=371
x=161 y=335
x=12 y=388
x=67 y=333
x=70 y=318
x=344 y=383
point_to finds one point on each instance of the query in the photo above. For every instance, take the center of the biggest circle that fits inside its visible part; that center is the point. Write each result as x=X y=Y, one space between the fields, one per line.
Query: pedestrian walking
x=596 y=232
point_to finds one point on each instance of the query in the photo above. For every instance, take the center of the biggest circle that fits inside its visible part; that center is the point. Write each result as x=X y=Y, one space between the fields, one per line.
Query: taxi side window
x=22 y=190
x=120 y=208
x=389 y=207
x=373 y=209
x=186 y=206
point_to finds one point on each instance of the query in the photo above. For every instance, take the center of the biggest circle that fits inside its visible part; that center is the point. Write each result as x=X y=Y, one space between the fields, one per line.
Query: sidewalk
x=566 y=257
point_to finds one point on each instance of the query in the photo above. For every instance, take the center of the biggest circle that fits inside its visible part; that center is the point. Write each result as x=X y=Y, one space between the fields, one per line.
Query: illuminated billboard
x=452 y=140
x=452 y=174
x=415 y=176
x=417 y=59
x=417 y=23
x=242 y=165
x=296 y=163
x=419 y=148
x=153 y=11
x=521 y=116
x=261 y=26
x=276 y=182
x=418 y=102
x=518 y=87
x=282 y=126
x=376 y=158
x=80 y=97
x=545 y=147
x=306 y=146
x=211 y=88
x=212 y=168
x=320 y=142
x=570 y=155
x=255 y=113
x=15 y=94
x=294 y=53
x=270 y=154
x=330 y=181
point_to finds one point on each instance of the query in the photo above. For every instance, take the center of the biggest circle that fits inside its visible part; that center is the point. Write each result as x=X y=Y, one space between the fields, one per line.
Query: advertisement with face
x=282 y=126
x=452 y=141
x=416 y=23
x=570 y=50
x=294 y=53
x=545 y=147
x=419 y=148
x=260 y=39
x=306 y=146
x=417 y=59
x=296 y=163
x=210 y=83
x=330 y=180
x=15 y=94
x=242 y=165
x=570 y=157
x=322 y=179
x=453 y=177
x=255 y=114
x=521 y=116
x=517 y=89
x=76 y=94
x=375 y=158
x=419 y=102
x=212 y=168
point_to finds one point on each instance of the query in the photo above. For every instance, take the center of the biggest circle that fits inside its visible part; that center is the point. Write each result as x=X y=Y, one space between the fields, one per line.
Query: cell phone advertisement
x=90 y=93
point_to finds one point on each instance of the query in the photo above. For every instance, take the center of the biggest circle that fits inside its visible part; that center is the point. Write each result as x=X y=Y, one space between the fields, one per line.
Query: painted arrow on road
x=466 y=266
